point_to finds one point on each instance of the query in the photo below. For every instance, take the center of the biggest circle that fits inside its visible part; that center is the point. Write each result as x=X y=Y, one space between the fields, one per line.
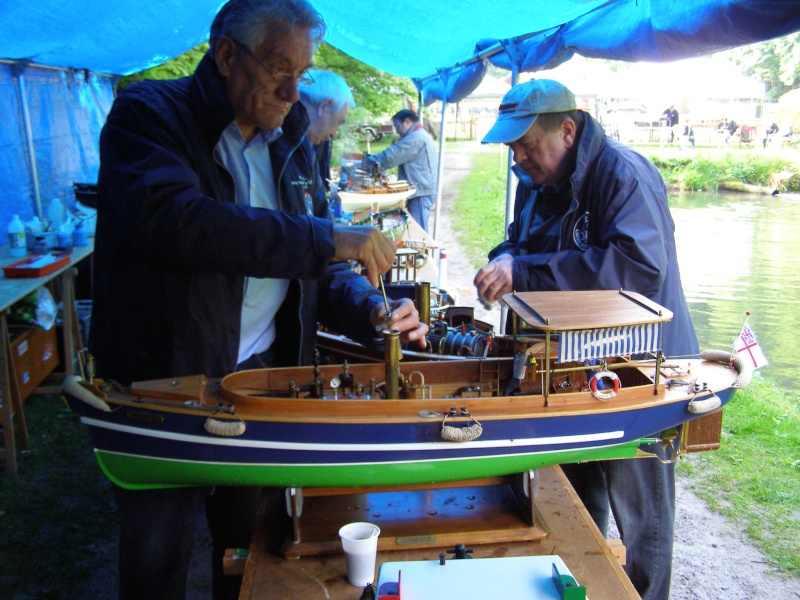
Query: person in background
x=591 y=213
x=327 y=100
x=687 y=136
x=417 y=160
x=215 y=252
x=670 y=118
x=769 y=134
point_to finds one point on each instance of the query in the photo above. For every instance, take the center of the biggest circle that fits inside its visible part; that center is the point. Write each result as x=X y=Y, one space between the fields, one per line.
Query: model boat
x=575 y=391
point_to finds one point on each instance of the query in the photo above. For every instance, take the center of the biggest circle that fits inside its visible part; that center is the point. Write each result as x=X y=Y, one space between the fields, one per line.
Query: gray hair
x=551 y=121
x=252 y=21
x=327 y=86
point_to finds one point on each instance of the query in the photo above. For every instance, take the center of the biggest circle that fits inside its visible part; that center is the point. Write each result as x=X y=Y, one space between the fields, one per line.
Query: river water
x=740 y=253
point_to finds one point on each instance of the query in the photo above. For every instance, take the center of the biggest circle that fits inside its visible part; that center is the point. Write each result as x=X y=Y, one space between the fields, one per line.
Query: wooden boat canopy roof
x=593 y=309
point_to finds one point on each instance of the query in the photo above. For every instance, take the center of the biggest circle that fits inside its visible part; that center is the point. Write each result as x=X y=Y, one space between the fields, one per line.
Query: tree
x=180 y=66
x=776 y=62
x=375 y=91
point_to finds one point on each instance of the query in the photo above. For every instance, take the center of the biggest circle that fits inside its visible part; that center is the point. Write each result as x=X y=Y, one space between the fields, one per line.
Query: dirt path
x=713 y=560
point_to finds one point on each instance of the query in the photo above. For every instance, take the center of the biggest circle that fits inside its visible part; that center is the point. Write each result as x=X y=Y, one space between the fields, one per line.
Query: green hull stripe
x=136 y=472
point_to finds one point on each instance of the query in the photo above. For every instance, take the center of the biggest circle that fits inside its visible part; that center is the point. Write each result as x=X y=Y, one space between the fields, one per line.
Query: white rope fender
x=701 y=407
x=461 y=434
x=72 y=386
x=729 y=358
x=224 y=428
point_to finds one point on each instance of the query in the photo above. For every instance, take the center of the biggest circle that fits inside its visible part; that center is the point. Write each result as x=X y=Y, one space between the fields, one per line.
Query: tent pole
x=440 y=176
x=510 y=193
x=26 y=118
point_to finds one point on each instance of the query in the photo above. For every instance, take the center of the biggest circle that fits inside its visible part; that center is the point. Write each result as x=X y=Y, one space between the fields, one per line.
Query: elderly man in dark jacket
x=215 y=251
x=592 y=213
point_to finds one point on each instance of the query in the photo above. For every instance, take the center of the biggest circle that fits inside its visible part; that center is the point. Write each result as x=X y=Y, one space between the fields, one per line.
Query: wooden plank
x=573 y=536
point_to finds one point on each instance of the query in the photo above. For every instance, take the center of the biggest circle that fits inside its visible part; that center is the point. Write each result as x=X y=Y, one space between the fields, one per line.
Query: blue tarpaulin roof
x=402 y=37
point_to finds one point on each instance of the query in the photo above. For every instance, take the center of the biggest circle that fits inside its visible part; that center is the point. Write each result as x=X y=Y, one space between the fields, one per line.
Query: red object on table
x=22 y=269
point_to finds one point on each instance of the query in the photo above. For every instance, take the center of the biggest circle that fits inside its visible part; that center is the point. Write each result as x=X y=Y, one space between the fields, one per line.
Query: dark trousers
x=641 y=493
x=157 y=532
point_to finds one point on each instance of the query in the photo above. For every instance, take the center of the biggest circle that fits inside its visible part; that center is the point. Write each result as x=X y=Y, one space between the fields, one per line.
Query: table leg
x=13 y=414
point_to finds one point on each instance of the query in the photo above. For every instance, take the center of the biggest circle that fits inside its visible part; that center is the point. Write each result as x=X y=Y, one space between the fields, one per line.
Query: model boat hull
x=264 y=437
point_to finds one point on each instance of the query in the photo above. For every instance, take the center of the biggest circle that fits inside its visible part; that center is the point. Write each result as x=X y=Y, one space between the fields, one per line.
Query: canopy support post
x=510 y=190
x=19 y=70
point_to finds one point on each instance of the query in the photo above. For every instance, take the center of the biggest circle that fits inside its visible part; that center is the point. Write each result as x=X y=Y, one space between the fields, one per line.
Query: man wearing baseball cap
x=591 y=213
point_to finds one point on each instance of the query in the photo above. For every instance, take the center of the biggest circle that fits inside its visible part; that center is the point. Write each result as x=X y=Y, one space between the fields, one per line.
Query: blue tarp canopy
x=55 y=116
x=400 y=36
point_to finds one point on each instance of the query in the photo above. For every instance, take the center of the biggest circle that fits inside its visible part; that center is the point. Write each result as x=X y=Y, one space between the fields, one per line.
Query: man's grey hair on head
x=252 y=21
x=327 y=86
x=551 y=121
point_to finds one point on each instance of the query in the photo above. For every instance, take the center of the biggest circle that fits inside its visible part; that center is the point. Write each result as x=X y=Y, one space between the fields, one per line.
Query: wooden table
x=573 y=536
x=12 y=291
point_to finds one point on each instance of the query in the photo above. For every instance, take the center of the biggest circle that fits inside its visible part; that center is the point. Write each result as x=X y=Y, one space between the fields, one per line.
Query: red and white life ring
x=604 y=394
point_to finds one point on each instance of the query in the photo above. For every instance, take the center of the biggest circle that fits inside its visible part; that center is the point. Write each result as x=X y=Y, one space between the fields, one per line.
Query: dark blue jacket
x=173 y=248
x=617 y=233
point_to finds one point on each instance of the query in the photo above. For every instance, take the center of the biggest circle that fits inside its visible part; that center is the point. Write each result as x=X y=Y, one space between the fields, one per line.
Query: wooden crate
x=704 y=433
x=34 y=355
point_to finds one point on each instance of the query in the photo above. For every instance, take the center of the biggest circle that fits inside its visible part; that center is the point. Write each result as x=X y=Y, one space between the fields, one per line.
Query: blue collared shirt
x=251 y=169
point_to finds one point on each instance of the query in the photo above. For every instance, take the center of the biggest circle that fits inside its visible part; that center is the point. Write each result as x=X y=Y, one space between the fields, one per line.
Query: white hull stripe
x=603 y=436
x=371 y=463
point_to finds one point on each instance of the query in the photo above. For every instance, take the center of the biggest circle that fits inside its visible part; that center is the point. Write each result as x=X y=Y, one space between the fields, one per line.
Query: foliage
x=703 y=172
x=180 y=66
x=378 y=93
x=754 y=478
x=776 y=62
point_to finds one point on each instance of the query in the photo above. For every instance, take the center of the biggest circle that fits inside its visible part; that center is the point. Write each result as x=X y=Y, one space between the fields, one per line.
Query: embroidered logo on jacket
x=580 y=233
x=306 y=184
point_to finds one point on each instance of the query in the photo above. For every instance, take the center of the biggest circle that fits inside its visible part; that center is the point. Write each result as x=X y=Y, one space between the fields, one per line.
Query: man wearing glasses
x=215 y=251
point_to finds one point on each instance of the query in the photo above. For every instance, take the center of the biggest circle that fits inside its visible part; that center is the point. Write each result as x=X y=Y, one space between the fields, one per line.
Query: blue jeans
x=641 y=492
x=419 y=208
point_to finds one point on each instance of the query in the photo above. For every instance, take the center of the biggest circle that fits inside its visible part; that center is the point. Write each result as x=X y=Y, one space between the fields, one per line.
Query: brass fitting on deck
x=391 y=342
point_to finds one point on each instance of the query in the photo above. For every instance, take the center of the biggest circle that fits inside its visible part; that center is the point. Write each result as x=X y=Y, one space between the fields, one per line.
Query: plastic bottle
x=34 y=227
x=79 y=235
x=16 y=237
x=55 y=215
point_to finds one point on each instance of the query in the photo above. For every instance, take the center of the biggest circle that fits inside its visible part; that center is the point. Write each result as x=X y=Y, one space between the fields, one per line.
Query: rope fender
x=736 y=360
x=224 y=428
x=72 y=386
x=461 y=434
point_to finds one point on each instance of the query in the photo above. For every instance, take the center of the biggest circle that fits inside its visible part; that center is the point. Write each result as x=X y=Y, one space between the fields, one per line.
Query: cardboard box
x=34 y=352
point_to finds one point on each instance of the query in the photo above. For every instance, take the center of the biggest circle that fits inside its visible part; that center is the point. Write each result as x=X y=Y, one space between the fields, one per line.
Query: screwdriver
x=388 y=317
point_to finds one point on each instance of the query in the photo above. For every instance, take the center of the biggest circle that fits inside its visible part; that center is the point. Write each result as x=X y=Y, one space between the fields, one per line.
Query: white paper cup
x=360 y=544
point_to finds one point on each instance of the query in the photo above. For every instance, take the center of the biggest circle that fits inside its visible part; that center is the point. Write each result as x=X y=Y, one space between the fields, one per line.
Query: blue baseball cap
x=521 y=105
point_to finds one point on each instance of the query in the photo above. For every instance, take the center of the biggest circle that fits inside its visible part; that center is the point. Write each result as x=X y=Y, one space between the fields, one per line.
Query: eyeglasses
x=303 y=80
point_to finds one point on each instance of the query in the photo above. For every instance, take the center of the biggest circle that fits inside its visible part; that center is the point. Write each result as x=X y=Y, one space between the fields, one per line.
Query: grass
x=57 y=516
x=754 y=478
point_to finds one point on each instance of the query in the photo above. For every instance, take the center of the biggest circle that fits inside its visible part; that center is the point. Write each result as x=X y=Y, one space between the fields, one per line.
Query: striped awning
x=585 y=344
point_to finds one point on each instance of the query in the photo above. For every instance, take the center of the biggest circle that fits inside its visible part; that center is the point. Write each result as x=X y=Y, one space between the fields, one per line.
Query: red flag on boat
x=747 y=345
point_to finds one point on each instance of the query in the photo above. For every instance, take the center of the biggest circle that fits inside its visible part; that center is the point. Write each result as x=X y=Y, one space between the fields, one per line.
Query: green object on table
x=568 y=588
